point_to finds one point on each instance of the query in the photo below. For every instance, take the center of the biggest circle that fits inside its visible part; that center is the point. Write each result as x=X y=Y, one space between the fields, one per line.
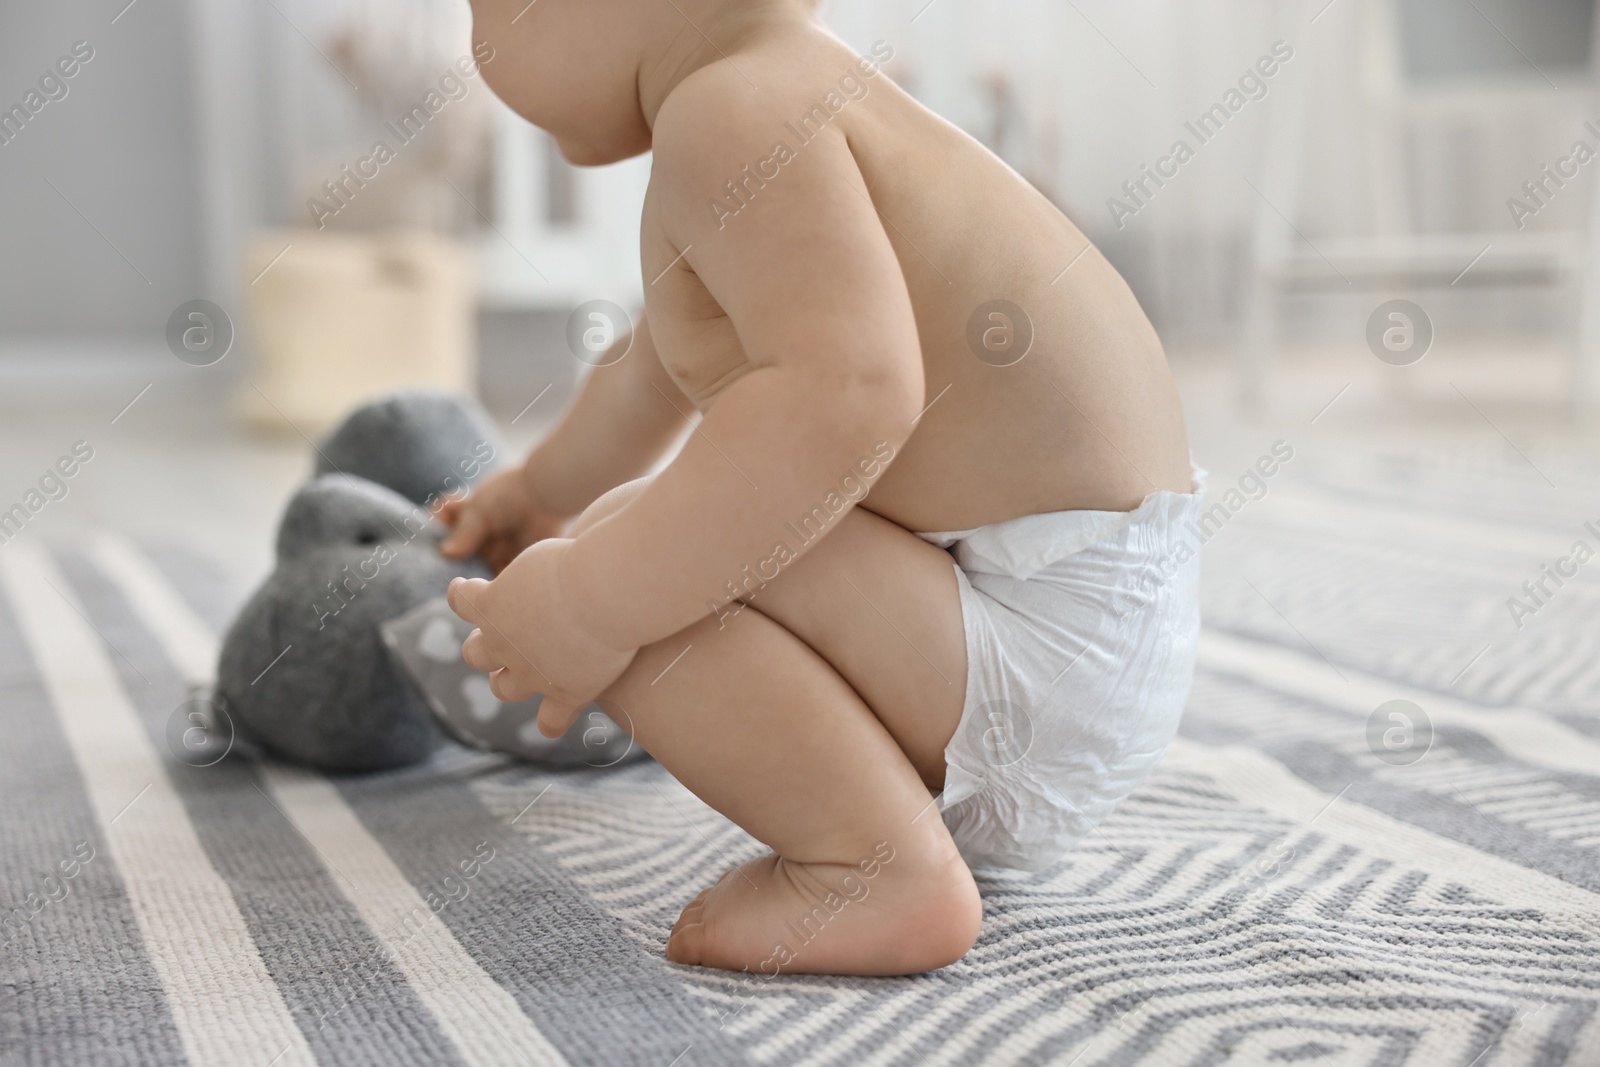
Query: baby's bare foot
x=885 y=915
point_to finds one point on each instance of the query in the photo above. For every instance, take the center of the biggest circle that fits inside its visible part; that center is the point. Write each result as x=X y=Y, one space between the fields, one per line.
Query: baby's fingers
x=449 y=509
x=468 y=529
x=512 y=686
x=464 y=596
x=475 y=651
x=556 y=716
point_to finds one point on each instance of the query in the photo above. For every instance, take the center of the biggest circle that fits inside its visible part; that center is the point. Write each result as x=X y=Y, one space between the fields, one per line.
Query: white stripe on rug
x=1259 y=780
x=440 y=971
x=188 y=642
x=1526 y=735
x=225 y=1005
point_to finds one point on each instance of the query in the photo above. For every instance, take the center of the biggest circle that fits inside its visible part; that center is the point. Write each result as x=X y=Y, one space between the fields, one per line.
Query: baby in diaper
x=1045 y=750
x=859 y=326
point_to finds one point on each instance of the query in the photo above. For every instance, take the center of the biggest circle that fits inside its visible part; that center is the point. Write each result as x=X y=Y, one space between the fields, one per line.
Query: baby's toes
x=686 y=944
x=693 y=911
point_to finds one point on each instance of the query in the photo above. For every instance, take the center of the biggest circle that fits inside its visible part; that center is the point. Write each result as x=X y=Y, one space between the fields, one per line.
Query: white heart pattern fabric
x=426 y=644
x=481 y=701
x=439 y=641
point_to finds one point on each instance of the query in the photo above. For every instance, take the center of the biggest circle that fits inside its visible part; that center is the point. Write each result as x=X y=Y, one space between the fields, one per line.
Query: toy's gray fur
x=352 y=553
x=418 y=444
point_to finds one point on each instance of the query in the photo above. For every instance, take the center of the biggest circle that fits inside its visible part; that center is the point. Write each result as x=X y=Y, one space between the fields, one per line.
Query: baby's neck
x=711 y=31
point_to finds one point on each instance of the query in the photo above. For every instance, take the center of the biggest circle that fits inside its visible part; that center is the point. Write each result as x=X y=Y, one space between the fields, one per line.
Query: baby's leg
x=761 y=726
x=883 y=608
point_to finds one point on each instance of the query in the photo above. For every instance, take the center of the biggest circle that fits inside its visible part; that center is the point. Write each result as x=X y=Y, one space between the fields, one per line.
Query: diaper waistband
x=1026 y=545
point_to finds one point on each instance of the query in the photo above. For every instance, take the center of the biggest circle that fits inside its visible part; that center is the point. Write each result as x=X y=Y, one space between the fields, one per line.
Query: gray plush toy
x=318 y=667
x=421 y=445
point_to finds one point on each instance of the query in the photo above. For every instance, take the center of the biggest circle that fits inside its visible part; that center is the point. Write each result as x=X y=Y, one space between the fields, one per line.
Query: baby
x=863 y=328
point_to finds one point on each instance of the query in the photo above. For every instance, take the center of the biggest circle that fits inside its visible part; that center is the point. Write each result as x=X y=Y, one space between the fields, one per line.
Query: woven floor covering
x=1300 y=882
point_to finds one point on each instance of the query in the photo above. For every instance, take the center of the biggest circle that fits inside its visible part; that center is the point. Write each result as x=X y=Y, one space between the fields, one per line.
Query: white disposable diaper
x=1081 y=632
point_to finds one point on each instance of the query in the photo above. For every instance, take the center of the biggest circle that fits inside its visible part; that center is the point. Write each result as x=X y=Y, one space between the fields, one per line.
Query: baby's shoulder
x=731 y=107
x=710 y=104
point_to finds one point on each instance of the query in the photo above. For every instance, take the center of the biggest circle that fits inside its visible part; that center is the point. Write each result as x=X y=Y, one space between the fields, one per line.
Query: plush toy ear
x=420 y=445
x=337 y=509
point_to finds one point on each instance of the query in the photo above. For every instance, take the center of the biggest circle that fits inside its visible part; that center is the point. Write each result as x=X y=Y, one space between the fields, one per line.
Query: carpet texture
x=1303 y=881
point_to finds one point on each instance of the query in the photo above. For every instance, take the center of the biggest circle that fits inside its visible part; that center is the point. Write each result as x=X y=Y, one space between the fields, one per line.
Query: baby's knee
x=609 y=503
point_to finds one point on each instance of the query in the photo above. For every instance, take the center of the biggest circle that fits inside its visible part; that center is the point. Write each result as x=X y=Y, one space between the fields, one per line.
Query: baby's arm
x=811 y=283
x=621 y=422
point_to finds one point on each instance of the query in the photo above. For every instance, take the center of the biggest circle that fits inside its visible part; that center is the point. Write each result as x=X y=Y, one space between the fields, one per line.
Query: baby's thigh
x=883 y=607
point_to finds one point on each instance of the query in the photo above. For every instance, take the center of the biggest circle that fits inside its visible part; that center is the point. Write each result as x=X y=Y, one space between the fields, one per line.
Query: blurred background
x=1341 y=154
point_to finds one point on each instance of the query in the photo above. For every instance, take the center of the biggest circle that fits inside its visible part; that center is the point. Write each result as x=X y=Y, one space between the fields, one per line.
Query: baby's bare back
x=1047 y=388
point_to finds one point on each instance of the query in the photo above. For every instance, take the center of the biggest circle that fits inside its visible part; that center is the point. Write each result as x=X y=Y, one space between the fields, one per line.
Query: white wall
x=119 y=147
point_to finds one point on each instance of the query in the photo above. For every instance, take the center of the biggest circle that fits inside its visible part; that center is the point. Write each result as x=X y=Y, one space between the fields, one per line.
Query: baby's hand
x=528 y=642
x=497 y=520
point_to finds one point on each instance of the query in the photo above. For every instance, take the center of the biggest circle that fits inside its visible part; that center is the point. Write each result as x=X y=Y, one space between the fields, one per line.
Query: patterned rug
x=1306 y=880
